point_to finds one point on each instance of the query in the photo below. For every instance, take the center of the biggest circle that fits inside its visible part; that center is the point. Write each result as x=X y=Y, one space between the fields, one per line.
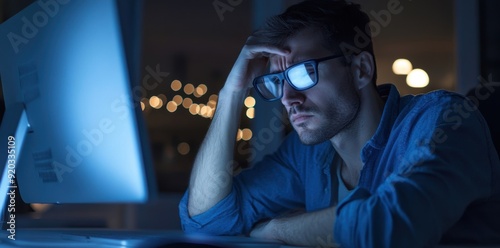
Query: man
x=368 y=167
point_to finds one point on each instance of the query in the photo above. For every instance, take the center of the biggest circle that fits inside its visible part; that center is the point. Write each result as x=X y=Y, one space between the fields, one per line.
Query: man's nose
x=291 y=96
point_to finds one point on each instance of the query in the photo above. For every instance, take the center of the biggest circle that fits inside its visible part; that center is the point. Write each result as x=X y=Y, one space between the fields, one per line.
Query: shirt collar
x=389 y=115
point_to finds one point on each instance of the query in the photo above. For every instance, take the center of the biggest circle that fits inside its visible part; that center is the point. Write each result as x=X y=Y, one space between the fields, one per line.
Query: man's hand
x=251 y=62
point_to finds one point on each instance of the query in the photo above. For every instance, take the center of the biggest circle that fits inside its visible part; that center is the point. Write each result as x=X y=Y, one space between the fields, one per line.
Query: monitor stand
x=12 y=133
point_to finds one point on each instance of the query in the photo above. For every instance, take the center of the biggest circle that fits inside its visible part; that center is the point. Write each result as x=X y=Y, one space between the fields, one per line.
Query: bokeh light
x=239 y=134
x=187 y=102
x=249 y=102
x=211 y=103
x=155 y=102
x=171 y=106
x=213 y=97
x=176 y=85
x=250 y=113
x=177 y=99
x=194 y=109
x=417 y=78
x=163 y=97
x=183 y=148
x=246 y=134
x=188 y=89
x=201 y=89
x=402 y=67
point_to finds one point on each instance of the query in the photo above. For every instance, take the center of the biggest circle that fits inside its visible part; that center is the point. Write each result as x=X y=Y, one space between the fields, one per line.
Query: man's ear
x=363 y=69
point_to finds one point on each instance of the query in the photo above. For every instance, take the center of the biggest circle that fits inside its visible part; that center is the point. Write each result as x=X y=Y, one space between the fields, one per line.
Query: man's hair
x=339 y=22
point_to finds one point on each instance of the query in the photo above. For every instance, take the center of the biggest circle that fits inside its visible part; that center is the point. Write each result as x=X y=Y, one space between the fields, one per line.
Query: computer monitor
x=73 y=131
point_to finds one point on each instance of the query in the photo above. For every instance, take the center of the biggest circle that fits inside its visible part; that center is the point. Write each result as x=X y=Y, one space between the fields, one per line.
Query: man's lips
x=297 y=118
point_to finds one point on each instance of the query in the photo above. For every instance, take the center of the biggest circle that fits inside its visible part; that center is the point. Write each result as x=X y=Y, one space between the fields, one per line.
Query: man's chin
x=308 y=137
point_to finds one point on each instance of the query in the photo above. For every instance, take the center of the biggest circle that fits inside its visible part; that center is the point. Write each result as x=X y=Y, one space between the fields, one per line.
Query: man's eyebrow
x=294 y=61
x=299 y=59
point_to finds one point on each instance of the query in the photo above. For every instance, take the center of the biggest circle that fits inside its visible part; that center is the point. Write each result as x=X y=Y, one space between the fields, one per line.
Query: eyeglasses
x=301 y=76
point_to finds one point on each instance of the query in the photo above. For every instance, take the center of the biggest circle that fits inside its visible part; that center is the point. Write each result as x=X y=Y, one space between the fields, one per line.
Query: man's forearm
x=211 y=177
x=307 y=229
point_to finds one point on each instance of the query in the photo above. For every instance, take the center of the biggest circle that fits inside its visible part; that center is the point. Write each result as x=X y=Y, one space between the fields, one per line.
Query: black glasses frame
x=284 y=75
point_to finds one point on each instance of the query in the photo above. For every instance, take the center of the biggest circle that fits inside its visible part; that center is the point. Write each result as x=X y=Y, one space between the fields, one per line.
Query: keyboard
x=105 y=238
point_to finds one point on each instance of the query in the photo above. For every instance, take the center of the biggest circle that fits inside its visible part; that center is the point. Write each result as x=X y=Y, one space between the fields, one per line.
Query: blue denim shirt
x=430 y=175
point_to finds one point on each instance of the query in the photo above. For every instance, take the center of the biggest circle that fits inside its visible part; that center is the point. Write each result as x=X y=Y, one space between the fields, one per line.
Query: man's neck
x=349 y=143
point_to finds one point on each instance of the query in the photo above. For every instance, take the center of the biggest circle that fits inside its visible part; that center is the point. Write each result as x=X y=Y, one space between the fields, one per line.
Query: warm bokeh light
x=417 y=78
x=197 y=92
x=402 y=67
x=204 y=111
x=188 y=89
x=246 y=134
x=213 y=97
x=211 y=112
x=177 y=99
x=171 y=106
x=183 y=148
x=194 y=109
x=211 y=103
x=249 y=102
x=155 y=102
x=162 y=97
x=251 y=113
x=187 y=102
x=201 y=106
x=145 y=103
x=239 y=135
x=201 y=89
x=176 y=85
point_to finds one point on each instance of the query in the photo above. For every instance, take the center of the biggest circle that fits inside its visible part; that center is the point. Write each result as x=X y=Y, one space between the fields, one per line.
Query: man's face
x=321 y=112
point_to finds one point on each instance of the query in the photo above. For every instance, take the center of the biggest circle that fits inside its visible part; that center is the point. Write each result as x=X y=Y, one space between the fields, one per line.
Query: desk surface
x=108 y=238
x=105 y=238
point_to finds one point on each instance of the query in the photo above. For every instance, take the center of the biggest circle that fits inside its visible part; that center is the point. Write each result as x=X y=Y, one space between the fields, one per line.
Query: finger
x=267 y=51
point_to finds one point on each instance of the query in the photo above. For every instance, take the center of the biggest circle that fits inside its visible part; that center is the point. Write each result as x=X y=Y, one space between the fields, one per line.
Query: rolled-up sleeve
x=418 y=203
x=269 y=188
x=223 y=218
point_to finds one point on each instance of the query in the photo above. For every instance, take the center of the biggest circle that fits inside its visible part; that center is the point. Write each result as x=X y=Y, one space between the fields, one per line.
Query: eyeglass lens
x=301 y=77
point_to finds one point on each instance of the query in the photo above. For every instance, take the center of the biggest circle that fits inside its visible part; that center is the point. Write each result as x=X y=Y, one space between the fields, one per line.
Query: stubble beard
x=333 y=124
